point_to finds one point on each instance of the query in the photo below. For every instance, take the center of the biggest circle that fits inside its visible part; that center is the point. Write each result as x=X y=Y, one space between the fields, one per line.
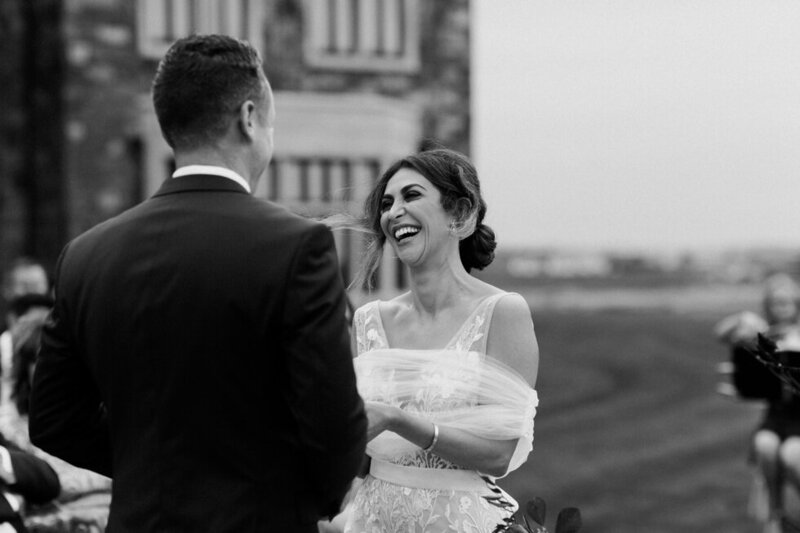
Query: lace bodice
x=371 y=335
x=441 y=379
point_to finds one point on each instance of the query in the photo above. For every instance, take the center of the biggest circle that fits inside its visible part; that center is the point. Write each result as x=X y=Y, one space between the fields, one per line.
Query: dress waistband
x=429 y=478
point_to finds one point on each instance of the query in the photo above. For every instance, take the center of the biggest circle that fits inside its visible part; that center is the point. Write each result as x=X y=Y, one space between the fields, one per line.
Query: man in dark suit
x=197 y=351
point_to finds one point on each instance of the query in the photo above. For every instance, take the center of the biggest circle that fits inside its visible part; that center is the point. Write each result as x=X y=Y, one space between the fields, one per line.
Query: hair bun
x=477 y=250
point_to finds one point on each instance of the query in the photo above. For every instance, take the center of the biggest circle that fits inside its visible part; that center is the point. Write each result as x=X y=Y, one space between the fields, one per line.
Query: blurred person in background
x=26 y=479
x=24 y=277
x=28 y=310
x=25 y=286
x=82 y=503
x=776 y=441
x=25 y=482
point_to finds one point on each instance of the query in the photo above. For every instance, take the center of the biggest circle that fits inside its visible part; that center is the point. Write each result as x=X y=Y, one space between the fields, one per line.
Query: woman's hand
x=380 y=418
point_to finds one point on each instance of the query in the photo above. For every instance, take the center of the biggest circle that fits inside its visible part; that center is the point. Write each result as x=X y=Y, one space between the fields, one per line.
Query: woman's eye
x=385 y=205
x=410 y=195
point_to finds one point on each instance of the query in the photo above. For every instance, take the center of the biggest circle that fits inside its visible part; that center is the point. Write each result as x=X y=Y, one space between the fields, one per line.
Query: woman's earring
x=452 y=227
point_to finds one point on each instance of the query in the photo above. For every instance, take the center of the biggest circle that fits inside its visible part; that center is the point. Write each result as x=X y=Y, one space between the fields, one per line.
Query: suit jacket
x=198 y=354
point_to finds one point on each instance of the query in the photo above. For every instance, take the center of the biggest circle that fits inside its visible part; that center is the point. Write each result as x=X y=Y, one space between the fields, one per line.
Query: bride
x=447 y=369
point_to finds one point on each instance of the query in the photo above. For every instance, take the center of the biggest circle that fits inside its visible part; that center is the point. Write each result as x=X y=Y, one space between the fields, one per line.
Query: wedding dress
x=410 y=490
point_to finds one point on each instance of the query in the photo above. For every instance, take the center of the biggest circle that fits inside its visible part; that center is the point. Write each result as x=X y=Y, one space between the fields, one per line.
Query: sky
x=650 y=125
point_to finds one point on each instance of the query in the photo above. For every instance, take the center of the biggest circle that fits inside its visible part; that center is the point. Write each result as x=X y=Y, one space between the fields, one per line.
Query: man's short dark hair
x=200 y=84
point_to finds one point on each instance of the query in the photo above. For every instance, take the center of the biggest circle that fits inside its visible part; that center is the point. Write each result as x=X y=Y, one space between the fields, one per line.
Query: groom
x=197 y=351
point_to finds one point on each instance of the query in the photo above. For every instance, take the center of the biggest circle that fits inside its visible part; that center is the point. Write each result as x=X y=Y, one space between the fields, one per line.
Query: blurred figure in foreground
x=82 y=504
x=25 y=480
x=776 y=442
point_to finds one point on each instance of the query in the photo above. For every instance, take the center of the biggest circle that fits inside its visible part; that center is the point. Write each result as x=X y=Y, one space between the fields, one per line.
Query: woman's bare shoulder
x=512 y=338
x=513 y=303
x=512 y=314
x=509 y=305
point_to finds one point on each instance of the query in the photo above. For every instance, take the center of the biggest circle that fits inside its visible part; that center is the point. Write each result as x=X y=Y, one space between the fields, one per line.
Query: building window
x=161 y=22
x=378 y=35
x=318 y=185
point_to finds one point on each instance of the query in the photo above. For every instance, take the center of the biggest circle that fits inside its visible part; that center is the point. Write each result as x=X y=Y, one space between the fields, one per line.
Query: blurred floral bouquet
x=533 y=519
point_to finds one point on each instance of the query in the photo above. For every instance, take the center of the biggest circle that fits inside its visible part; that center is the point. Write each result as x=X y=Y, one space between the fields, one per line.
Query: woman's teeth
x=405 y=231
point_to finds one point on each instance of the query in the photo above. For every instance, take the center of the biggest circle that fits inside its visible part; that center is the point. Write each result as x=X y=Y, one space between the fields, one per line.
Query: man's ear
x=247 y=119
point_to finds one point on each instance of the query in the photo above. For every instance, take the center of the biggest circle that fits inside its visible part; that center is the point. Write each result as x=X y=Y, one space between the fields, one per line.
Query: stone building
x=357 y=84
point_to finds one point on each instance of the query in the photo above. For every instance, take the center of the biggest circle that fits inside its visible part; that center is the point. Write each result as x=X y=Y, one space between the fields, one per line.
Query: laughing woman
x=447 y=369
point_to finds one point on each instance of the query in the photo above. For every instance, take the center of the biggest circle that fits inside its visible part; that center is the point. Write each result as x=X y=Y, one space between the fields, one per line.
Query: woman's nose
x=396 y=210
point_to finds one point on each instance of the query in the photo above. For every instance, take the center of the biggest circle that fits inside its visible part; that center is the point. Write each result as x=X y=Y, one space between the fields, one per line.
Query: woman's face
x=412 y=217
x=782 y=306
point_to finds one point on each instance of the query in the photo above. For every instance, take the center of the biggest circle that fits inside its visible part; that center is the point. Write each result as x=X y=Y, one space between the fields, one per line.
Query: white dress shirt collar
x=191 y=170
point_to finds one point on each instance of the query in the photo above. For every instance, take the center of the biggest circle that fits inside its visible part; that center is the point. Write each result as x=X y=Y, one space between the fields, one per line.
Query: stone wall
x=106 y=75
x=444 y=84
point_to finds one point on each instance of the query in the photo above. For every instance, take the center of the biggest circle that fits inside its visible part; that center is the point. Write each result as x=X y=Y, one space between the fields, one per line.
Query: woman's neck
x=438 y=287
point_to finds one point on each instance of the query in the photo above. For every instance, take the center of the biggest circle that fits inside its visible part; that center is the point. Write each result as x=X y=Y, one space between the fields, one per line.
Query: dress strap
x=474 y=332
x=369 y=328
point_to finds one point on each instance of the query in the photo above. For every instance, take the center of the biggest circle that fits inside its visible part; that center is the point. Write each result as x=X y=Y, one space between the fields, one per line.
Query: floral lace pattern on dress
x=441 y=380
x=380 y=506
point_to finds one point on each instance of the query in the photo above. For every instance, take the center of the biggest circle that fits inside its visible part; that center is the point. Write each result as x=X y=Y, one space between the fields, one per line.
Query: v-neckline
x=452 y=339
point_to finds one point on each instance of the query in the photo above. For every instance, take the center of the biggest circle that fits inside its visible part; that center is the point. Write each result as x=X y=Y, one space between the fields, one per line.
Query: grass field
x=630 y=428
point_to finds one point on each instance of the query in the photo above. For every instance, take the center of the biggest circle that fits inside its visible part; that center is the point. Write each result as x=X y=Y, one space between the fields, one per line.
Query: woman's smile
x=405 y=231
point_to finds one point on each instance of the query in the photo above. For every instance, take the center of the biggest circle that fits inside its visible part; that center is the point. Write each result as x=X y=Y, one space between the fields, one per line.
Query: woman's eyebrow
x=411 y=186
x=404 y=190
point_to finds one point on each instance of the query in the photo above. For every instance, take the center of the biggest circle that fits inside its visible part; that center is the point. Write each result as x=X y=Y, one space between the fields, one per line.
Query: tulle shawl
x=467 y=390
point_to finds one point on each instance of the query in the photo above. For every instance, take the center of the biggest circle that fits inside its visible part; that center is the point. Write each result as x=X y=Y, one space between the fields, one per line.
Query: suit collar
x=199 y=182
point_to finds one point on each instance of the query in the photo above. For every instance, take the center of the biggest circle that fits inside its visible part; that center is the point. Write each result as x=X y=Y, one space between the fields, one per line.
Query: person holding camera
x=776 y=441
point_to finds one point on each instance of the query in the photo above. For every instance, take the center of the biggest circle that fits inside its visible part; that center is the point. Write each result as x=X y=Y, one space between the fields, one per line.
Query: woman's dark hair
x=200 y=83
x=455 y=177
x=26 y=336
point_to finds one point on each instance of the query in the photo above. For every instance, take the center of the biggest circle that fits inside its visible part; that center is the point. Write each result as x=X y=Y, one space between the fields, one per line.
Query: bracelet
x=434 y=441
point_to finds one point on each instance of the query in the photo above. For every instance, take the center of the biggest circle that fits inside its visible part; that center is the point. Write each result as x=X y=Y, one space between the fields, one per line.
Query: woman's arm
x=740 y=326
x=512 y=340
x=75 y=481
x=457 y=446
